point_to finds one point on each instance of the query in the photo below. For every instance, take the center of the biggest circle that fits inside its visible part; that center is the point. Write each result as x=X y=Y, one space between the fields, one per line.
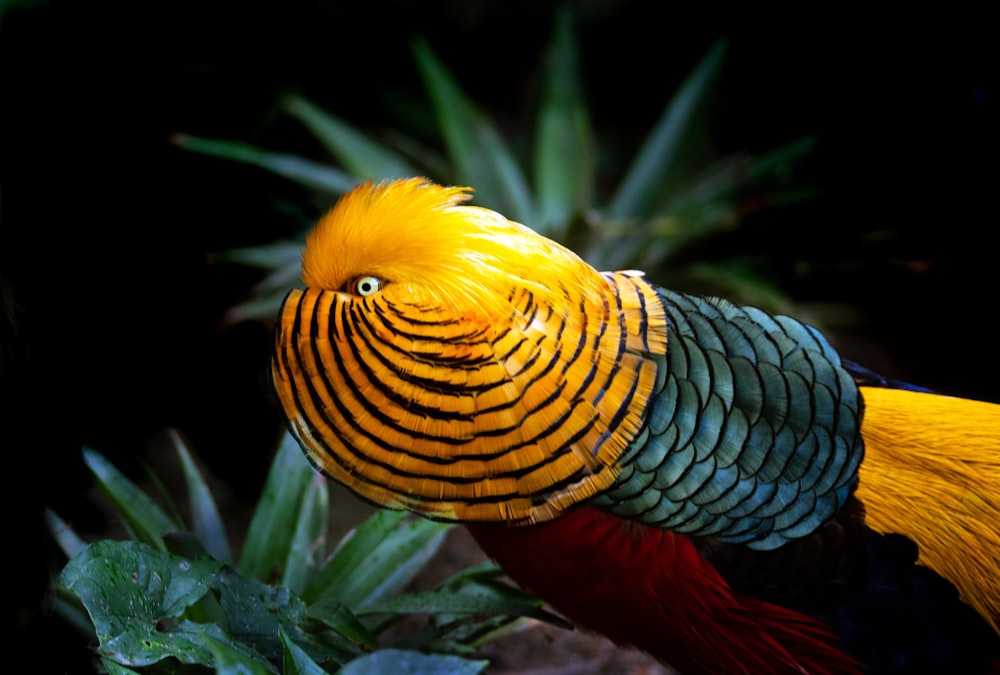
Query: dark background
x=113 y=297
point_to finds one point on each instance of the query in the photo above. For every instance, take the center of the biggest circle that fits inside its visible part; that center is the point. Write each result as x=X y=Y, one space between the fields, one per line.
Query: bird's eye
x=367 y=285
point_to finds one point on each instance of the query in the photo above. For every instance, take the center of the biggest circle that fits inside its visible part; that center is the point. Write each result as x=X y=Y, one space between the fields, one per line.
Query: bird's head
x=446 y=360
x=419 y=243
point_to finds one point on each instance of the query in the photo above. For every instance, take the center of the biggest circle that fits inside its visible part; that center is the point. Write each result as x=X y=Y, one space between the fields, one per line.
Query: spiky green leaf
x=564 y=139
x=143 y=516
x=69 y=541
x=363 y=157
x=379 y=558
x=308 y=546
x=273 y=524
x=206 y=522
x=335 y=615
x=296 y=660
x=307 y=173
x=481 y=158
x=644 y=182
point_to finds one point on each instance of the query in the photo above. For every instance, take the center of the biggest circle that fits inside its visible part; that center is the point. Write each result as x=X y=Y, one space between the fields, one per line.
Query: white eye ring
x=367 y=285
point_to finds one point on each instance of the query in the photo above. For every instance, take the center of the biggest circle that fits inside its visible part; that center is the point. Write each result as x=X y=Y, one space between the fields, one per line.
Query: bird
x=703 y=481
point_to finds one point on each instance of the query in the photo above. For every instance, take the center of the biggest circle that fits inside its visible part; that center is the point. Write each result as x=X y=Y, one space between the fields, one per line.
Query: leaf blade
x=272 y=525
x=564 y=139
x=143 y=516
x=659 y=152
x=364 y=158
x=378 y=558
x=480 y=156
x=206 y=522
x=309 y=174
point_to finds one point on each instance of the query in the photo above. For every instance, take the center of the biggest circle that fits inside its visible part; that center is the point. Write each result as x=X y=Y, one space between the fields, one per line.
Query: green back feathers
x=753 y=435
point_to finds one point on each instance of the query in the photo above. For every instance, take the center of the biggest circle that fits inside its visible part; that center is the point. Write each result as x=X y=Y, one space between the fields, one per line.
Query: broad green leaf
x=132 y=593
x=380 y=557
x=643 y=182
x=405 y=662
x=116 y=669
x=364 y=158
x=308 y=547
x=305 y=172
x=204 y=644
x=205 y=519
x=255 y=611
x=564 y=140
x=187 y=545
x=481 y=158
x=269 y=537
x=144 y=518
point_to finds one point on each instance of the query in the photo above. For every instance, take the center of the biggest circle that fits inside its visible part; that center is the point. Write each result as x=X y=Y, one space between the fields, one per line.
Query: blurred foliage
x=174 y=597
x=669 y=199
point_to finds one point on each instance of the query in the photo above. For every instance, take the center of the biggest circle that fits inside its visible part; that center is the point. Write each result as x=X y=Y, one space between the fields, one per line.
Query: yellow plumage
x=439 y=252
x=932 y=472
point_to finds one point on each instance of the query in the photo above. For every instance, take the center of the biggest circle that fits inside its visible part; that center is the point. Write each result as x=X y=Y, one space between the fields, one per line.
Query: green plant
x=671 y=197
x=174 y=599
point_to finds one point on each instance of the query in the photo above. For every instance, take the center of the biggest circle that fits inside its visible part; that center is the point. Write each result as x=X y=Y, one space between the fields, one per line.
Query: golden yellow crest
x=446 y=360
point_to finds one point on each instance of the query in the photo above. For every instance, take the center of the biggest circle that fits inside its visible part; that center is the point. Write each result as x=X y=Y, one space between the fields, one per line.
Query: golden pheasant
x=704 y=481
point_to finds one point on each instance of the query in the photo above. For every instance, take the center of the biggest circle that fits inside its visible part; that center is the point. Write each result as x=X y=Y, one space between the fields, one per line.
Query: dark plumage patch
x=892 y=614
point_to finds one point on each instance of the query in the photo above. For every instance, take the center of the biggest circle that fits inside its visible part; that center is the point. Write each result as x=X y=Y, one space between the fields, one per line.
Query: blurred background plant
x=836 y=168
x=673 y=195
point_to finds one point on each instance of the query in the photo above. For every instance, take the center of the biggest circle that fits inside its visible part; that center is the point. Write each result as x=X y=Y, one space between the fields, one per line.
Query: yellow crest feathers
x=425 y=237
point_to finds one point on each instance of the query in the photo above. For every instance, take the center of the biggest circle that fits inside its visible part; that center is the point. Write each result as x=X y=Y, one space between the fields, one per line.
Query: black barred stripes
x=458 y=417
x=377 y=337
x=352 y=384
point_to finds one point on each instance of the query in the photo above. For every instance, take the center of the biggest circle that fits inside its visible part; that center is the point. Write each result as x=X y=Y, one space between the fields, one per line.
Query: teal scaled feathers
x=754 y=436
